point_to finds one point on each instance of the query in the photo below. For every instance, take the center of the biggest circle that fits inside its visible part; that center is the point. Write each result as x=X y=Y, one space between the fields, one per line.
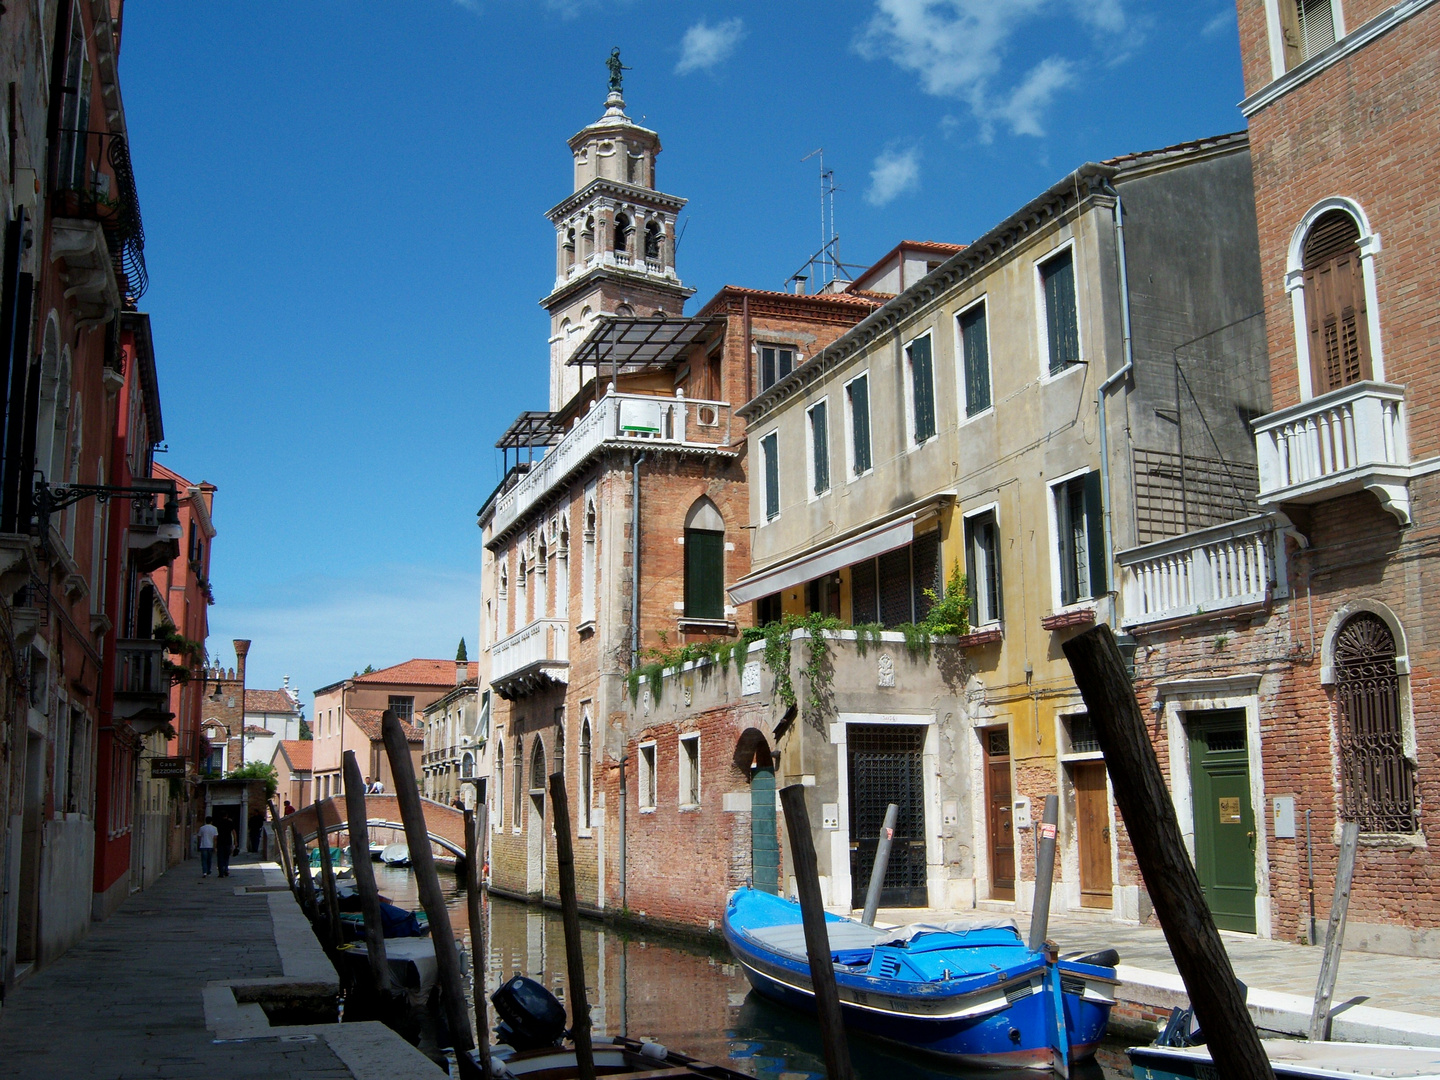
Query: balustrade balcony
x=532 y=658
x=142 y=685
x=619 y=419
x=1227 y=567
x=1351 y=439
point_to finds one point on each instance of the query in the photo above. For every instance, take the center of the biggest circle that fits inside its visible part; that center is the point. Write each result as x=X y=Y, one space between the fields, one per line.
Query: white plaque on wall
x=750 y=678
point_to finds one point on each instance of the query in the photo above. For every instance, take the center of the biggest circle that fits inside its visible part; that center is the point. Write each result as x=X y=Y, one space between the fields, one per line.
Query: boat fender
x=1104 y=958
x=653 y=1050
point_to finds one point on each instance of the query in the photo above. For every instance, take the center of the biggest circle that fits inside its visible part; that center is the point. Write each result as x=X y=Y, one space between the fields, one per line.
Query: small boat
x=397 y=923
x=396 y=855
x=972 y=992
x=376 y=850
x=412 y=960
x=1293 y=1060
x=529 y=1044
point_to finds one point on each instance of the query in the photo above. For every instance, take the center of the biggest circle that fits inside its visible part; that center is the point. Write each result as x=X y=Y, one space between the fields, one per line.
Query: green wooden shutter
x=704 y=574
x=860 y=422
x=1060 y=321
x=922 y=383
x=974 y=341
x=820 y=447
x=771 y=447
x=1095 y=533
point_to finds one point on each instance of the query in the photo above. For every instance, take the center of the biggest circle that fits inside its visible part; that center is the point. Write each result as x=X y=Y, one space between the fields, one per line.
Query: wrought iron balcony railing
x=93 y=181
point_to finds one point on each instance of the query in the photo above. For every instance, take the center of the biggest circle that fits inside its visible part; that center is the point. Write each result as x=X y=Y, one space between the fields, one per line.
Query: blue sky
x=344 y=213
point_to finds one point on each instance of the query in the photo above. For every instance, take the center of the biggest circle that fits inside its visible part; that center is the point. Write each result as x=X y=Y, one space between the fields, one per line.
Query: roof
x=925 y=247
x=823 y=298
x=1142 y=158
x=300 y=753
x=257 y=729
x=368 y=721
x=530 y=428
x=419 y=673
x=270 y=701
x=647 y=341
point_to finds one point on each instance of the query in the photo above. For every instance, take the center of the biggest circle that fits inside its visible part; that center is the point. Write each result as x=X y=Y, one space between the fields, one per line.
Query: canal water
x=679 y=993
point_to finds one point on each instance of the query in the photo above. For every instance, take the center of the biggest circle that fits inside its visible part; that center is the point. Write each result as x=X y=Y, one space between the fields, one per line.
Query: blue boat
x=970 y=991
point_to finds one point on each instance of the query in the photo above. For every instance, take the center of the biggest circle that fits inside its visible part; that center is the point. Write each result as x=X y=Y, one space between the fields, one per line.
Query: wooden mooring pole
x=1144 y=801
x=477 y=833
x=817 y=939
x=882 y=860
x=281 y=855
x=355 y=818
x=327 y=879
x=427 y=881
x=570 y=917
x=1335 y=932
x=303 y=881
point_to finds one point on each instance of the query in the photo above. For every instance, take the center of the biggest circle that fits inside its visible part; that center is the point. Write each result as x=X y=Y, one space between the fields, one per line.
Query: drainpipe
x=635 y=560
x=623 y=800
x=1112 y=381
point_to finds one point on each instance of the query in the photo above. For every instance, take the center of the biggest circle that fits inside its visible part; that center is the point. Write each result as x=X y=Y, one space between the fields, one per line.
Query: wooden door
x=1224 y=817
x=999 y=813
x=1092 y=826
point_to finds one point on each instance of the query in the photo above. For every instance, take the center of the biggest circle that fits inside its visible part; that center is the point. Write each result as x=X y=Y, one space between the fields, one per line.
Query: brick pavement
x=127 y=1002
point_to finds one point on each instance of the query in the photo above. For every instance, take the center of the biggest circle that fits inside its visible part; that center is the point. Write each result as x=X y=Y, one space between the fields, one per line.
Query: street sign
x=167 y=768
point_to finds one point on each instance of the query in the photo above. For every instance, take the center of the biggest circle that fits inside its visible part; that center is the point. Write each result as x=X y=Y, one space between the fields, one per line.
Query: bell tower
x=614 y=237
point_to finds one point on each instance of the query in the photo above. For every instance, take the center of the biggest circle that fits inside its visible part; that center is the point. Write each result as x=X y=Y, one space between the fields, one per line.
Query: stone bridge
x=445 y=824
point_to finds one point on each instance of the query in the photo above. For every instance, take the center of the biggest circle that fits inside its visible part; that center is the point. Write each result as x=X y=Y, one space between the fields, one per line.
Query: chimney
x=800 y=280
x=462 y=664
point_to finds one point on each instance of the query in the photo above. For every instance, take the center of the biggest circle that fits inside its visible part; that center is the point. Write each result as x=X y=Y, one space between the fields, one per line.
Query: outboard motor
x=530 y=1016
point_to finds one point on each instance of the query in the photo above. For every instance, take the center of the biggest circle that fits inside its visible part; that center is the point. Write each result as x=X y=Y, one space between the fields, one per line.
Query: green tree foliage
x=258 y=770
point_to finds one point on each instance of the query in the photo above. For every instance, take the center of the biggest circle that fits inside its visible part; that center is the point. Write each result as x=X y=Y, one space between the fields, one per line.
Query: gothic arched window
x=1335 y=303
x=499 y=785
x=537 y=767
x=1377 y=779
x=585 y=788
x=519 y=795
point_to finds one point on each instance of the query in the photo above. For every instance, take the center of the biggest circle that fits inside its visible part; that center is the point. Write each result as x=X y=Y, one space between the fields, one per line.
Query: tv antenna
x=825 y=265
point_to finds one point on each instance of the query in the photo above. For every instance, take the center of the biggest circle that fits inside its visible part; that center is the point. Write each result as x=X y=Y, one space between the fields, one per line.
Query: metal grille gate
x=885 y=767
x=1378 y=786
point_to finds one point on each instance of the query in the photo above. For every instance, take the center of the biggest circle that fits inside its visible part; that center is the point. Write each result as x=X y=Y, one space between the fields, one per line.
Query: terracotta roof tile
x=269 y=701
x=300 y=753
x=418 y=673
x=368 y=721
x=257 y=729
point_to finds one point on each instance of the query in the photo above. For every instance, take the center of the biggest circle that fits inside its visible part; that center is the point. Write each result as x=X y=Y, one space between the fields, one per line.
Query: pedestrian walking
x=206 y=839
x=288 y=808
x=225 y=843
x=458 y=803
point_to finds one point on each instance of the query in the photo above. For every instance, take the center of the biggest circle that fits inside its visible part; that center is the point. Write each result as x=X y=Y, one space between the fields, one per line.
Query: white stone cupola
x=614 y=240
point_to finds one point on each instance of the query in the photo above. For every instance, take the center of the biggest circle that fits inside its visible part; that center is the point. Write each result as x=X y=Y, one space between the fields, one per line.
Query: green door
x=764 y=844
x=1224 y=818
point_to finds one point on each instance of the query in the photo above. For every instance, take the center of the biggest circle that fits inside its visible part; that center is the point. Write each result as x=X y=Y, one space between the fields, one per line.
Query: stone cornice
x=610 y=272
x=617 y=190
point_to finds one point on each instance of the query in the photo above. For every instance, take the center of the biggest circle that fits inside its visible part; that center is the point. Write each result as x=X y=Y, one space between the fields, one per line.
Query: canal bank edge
x=234 y=1011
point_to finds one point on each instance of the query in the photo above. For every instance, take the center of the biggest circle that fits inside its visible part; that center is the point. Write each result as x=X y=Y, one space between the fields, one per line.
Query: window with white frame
x=1062 y=329
x=982 y=567
x=586 y=791
x=819 y=447
x=920 y=364
x=770 y=458
x=1079 y=538
x=857 y=423
x=587 y=557
x=776 y=361
x=1307 y=28
x=647 y=776
x=690 y=770
x=974 y=338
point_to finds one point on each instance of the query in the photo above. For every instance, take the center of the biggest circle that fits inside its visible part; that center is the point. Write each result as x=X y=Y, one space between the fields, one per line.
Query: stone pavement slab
x=129 y=1001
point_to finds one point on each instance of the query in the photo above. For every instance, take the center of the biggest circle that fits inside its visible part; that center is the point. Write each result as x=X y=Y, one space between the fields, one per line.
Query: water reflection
x=680 y=994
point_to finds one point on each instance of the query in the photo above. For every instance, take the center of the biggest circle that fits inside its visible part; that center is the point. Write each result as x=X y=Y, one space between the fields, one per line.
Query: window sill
x=706 y=626
x=586 y=627
x=989 y=410
x=1394 y=841
x=647 y=809
x=583 y=834
x=1075 y=616
x=686 y=807
x=1055 y=376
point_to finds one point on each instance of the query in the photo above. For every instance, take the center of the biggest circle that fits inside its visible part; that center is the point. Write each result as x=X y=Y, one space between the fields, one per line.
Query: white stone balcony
x=645 y=421
x=1229 y=567
x=1351 y=439
x=532 y=658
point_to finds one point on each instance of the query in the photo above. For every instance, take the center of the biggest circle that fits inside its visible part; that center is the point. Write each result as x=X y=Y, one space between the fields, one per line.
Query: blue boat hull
x=1009 y=1022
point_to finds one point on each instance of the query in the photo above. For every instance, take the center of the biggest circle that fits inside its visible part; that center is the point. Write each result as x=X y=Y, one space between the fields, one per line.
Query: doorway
x=1224 y=816
x=885 y=766
x=999 y=812
x=1092 y=830
x=535 y=826
x=27 y=939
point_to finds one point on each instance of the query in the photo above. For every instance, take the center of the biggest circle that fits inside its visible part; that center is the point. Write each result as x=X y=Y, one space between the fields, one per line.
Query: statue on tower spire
x=617 y=70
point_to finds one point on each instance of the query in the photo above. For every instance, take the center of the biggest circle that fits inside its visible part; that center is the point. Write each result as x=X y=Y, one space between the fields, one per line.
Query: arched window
x=54 y=391
x=467 y=765
x=518 y=799
x=653 y=237
x=542 y=584
x=585 y=789
x=560 y=741
x=72 y=470
x=704 y=561
x=624 y=311
x=1377 y=779
x=537 y=767
x=623 y=229
x=587 y=561
x=499 y=785
x=1335 y=312
x=587 y=238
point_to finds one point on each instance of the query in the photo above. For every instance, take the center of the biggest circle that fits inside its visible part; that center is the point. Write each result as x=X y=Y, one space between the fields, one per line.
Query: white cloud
x=704 y=45
x=469 y=5
x=961 y=48
x=896 y=172
x=1220 y=23
x=320 y=630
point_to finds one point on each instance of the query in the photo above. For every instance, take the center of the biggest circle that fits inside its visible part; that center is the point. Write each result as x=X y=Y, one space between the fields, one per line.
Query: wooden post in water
x=1044 y=872
x=355 y=817
x=303 y=881
x=477 y=832
x=327 y=879
x=1144 y=801
x=1335 y=932
x=570 y=916
x=427 y=882
x=882 y=860
x=281 y=855
x=817 y=940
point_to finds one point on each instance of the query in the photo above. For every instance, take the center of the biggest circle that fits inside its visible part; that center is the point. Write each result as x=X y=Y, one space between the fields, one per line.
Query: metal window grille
x=1174 y=495
x=1082 y=735
x=885 y=766
x=1377 y=779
